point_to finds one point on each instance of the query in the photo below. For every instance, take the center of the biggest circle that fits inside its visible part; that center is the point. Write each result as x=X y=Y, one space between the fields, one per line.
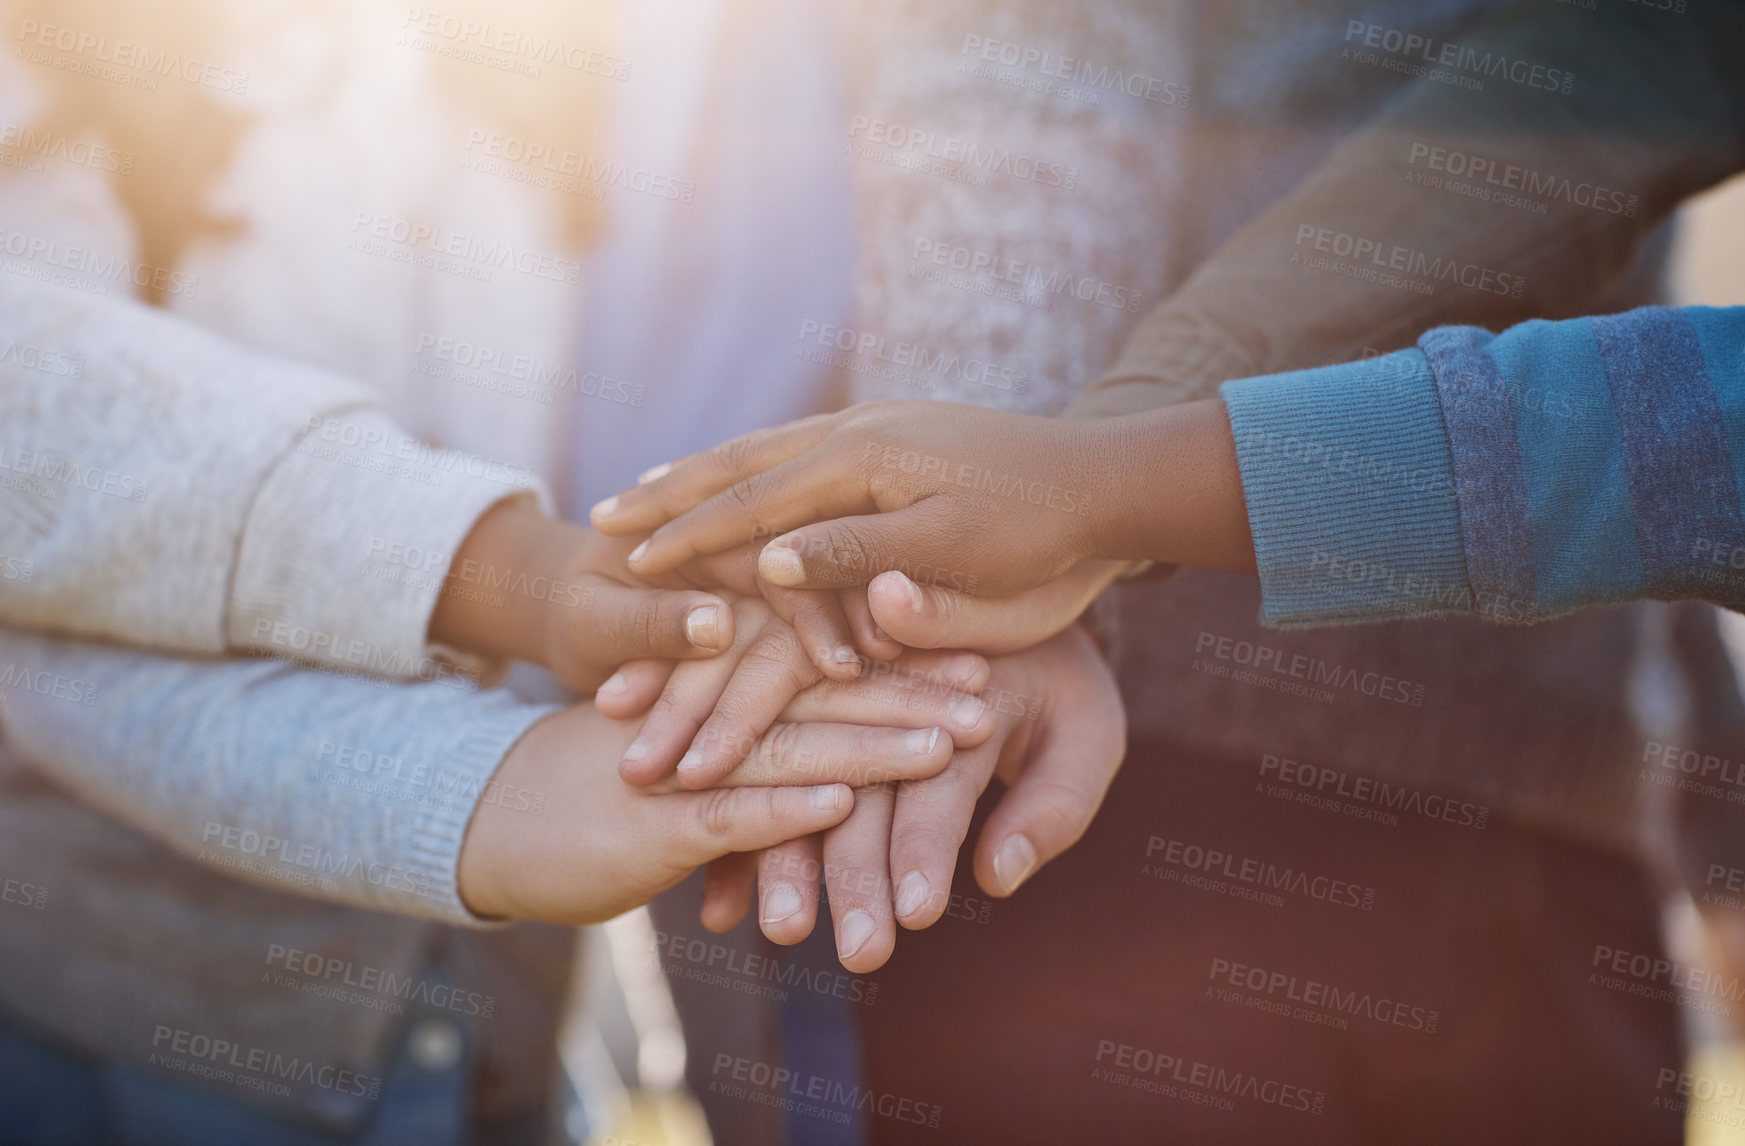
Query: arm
x=430 y=799
x=161 y=487
x=1654 y=115
x=1557 y=466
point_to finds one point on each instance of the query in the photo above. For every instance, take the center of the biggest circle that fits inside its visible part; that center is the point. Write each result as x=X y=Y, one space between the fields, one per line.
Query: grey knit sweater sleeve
x=162 y=487
x=350 y=789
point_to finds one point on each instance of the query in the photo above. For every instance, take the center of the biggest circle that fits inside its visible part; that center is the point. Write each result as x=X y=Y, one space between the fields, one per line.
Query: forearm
x=177 y=492
x=1653 y=116
x=355 y=791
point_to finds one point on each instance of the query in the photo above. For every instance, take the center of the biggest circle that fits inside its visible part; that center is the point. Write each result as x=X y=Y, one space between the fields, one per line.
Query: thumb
x=703 y=826
x=934 y=617
x=666 y=624
x=1047 y=808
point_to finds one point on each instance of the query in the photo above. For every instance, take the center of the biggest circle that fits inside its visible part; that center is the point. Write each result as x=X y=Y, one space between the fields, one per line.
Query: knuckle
x=715 y=813
x=1059 y=811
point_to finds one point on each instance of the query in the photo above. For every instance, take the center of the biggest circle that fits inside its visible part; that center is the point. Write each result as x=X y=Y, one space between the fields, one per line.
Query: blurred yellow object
x=660 y=1118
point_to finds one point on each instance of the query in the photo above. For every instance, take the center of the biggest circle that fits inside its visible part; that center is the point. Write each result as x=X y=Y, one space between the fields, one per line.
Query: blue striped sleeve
x=1580 y=463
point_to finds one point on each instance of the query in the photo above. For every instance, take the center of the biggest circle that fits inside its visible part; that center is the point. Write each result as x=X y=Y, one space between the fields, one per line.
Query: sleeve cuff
x=346 y=546
x=426 y=846
x=1349 y=482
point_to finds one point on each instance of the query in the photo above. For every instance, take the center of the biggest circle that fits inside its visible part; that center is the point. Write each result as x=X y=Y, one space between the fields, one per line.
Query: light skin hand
x=599 y=847
x=977 y=500
x=710 y=712
x=1061 y=738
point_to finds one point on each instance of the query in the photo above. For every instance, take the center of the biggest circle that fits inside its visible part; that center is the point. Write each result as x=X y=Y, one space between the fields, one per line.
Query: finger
x=727 y=886
x=663 y=494
x=853 y=754
x=928 y=827
x=787 y=888
x=697 y=827
x=857 y=874
x=821 y=625
x=633 y=688
x=930 y=540
x=872 y=641
x=676 y=624
x=816 y=486
x=770 y=673
x=1047 y=807
x=903 y=696
x=684 y=704
x=935 y=617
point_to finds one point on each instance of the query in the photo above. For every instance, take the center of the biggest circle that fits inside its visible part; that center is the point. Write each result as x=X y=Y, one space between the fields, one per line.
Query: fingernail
x=826 y=797
x=917 y=602
x=857 y=927
x=781 y=566
x=912 y=893
x=879 y=634
x=1013 y=863
x=616 y=683
x=966 y=712
x=637 y=752
x=659 y=471
x=605 y=508
x=845 y=655
x=922 y=740
x=779 y=902
x=703 y=626
x=636 y=554
x=691 y=763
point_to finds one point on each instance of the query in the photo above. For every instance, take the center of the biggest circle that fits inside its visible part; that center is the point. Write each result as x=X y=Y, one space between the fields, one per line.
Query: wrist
x=1176 y=497
x=505 y=580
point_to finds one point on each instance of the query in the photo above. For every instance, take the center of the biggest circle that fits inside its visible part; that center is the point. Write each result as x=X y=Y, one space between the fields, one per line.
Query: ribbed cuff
x=427 y=844
x=348 y=542
x=1349 y=481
